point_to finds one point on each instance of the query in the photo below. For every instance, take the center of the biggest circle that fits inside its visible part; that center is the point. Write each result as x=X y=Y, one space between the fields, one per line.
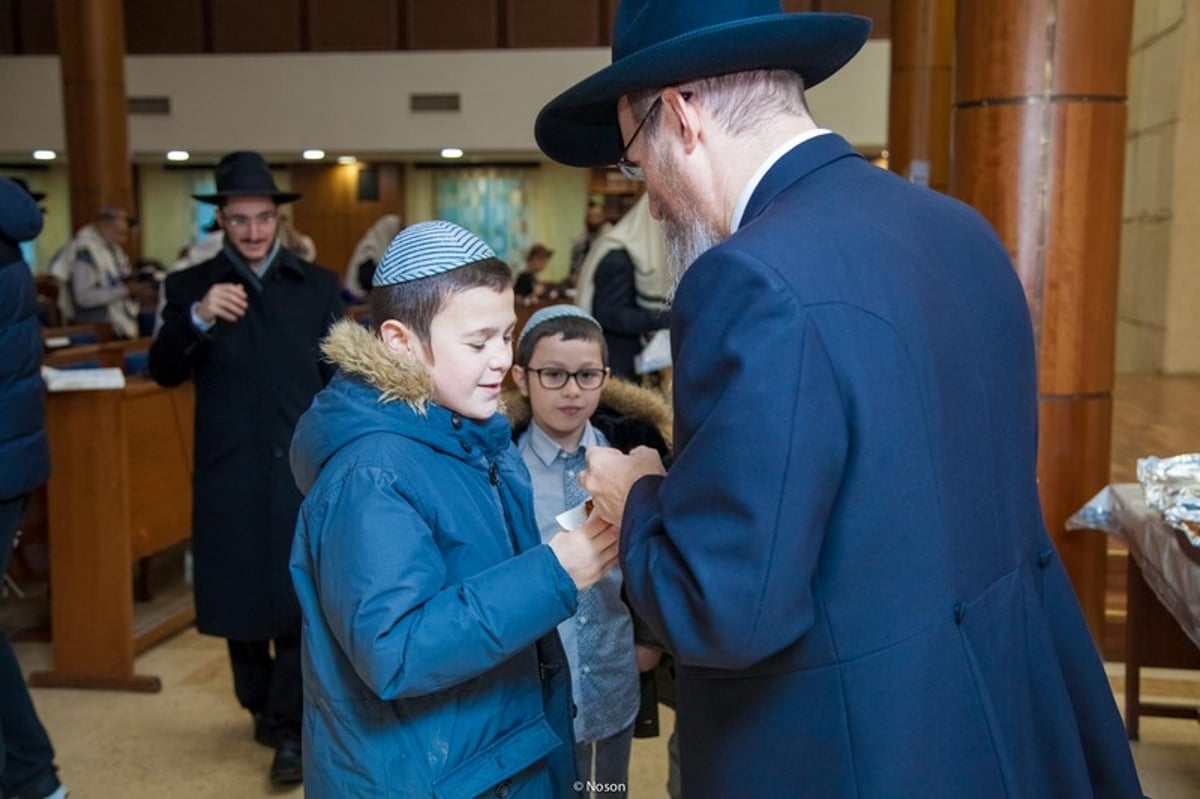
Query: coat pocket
x=503 y=758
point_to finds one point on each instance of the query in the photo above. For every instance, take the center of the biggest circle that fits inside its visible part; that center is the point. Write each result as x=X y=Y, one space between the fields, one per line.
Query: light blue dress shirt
x=612 y=667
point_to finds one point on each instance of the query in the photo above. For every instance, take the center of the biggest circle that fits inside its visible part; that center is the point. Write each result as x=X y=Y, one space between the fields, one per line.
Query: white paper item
x=83 y=379
x=575 y=517
x=655 y=355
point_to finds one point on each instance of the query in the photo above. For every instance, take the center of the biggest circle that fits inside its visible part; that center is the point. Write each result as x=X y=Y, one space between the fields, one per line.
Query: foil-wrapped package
x=1172 y=487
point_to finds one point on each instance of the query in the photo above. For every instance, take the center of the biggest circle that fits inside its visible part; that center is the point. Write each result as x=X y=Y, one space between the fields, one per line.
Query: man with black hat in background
x=245 y=327
x=848 y=557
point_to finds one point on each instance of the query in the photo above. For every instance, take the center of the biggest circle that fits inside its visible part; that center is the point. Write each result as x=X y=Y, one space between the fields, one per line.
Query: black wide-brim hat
x=245 y=174
x=658 y=43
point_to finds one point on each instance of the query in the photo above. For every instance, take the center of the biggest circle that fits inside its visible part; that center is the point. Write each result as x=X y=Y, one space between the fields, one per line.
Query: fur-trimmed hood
x=376 y=394
x=359 y=353
x=619 y=400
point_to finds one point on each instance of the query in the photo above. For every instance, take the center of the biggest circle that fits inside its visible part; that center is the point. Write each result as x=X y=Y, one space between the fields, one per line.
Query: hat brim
x=279 y=197
x=579 y=127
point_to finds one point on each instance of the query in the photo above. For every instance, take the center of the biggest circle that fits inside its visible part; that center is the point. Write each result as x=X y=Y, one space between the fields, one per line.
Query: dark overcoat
x=253 y=380
x=24 y=452
x=848 y=556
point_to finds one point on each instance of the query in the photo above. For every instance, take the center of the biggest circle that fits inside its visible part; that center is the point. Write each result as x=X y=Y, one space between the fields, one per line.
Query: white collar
x=744 y=198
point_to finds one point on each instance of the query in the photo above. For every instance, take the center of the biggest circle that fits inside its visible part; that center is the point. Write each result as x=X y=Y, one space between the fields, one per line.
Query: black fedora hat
x=36 y=195
x=245 y=174
x=666 y=42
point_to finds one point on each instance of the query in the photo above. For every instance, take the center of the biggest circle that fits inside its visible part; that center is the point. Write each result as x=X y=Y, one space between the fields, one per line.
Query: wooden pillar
x=921 y=92
x=1039 y=149
x=91 y=46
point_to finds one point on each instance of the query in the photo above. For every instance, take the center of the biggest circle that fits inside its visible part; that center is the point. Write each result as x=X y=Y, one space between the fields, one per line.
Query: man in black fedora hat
x=245 y=326
x=848 y=557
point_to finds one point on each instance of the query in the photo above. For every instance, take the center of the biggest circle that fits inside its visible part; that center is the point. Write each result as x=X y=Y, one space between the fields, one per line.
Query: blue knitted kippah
x=551 y=312
x=428 y=248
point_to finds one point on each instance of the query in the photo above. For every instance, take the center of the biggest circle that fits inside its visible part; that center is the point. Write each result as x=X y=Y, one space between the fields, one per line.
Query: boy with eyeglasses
x=562 y=370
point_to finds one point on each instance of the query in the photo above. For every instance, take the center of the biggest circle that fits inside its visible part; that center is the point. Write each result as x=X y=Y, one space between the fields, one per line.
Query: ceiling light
x=313 y=155
x=178 y=155
x=452 y=152
x=347 y=159
x=44 y=155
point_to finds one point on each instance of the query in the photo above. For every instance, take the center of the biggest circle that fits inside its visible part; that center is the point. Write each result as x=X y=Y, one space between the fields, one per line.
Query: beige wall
x=1158 y=329
x=359 y=103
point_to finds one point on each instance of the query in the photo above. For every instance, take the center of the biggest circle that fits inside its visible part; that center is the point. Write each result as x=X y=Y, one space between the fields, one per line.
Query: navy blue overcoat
x=848 y=556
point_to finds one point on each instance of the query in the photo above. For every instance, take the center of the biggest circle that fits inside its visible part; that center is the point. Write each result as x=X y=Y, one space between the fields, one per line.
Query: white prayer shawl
x=371 y=246
x=641 y=236
x=111 y=267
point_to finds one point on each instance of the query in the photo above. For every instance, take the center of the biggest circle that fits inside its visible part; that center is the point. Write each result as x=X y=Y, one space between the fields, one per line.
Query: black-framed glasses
x=552 y=378
x=633 y=169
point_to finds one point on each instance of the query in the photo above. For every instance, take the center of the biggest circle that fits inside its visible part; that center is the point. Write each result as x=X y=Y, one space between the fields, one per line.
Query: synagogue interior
x=1069 y=125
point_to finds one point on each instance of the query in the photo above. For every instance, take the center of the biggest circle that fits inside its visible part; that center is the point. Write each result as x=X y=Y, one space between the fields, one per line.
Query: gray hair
x=741 y=102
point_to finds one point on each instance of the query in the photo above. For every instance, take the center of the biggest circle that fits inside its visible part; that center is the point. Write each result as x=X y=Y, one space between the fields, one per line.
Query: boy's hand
x=610 y=474
x=587 y=552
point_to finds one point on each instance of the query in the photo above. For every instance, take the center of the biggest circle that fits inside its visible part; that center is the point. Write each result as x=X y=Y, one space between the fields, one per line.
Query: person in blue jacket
x=27 y=767
x=431 y=662
x=847 y=557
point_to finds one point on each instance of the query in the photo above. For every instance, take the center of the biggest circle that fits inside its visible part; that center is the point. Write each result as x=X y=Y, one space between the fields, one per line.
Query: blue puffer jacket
x=431 y=662
x=24 y=455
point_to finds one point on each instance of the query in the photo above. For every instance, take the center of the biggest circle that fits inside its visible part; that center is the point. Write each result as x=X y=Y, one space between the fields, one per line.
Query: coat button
x=503 y=788
x=456 y=422
x=1043 y=559
x=466 y=447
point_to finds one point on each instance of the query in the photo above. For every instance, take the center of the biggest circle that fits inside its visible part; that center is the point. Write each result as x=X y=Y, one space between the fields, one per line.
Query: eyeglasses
x=633 y=169
x=552 y=378
x=238 y=221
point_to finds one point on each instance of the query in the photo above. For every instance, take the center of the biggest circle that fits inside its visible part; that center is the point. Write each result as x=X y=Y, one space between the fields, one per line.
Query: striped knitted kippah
x=428 y=248
x=556 y=312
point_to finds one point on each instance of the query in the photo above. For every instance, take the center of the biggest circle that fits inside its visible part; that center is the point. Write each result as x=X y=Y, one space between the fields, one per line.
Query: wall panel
x=553 y=23
x=164 y=26
x=263 y=26
x=353 y=24
x=453 y=24
x=37 y=27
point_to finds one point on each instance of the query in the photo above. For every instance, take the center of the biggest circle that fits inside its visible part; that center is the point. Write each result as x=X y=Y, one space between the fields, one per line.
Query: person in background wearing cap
x=562 y=374
x=97 y=283
x=848 y=556
x=27 y=769
x=430 y=604
x=245 y=326
x=528 y=286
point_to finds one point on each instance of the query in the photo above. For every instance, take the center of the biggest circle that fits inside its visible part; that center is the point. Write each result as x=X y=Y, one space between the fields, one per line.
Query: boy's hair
x=416 y=302
x=570 y=328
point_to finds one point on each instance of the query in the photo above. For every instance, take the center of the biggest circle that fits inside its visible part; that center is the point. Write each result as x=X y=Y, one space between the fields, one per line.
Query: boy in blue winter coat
x=431 y=662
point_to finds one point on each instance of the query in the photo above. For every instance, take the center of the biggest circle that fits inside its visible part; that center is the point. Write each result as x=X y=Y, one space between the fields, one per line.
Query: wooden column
x=1039 y=148
x=91 y=46
x=921 y=92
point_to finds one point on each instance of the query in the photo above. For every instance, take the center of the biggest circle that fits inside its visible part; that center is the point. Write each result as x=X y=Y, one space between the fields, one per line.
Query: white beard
x=687 y=239
x=687 y=232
